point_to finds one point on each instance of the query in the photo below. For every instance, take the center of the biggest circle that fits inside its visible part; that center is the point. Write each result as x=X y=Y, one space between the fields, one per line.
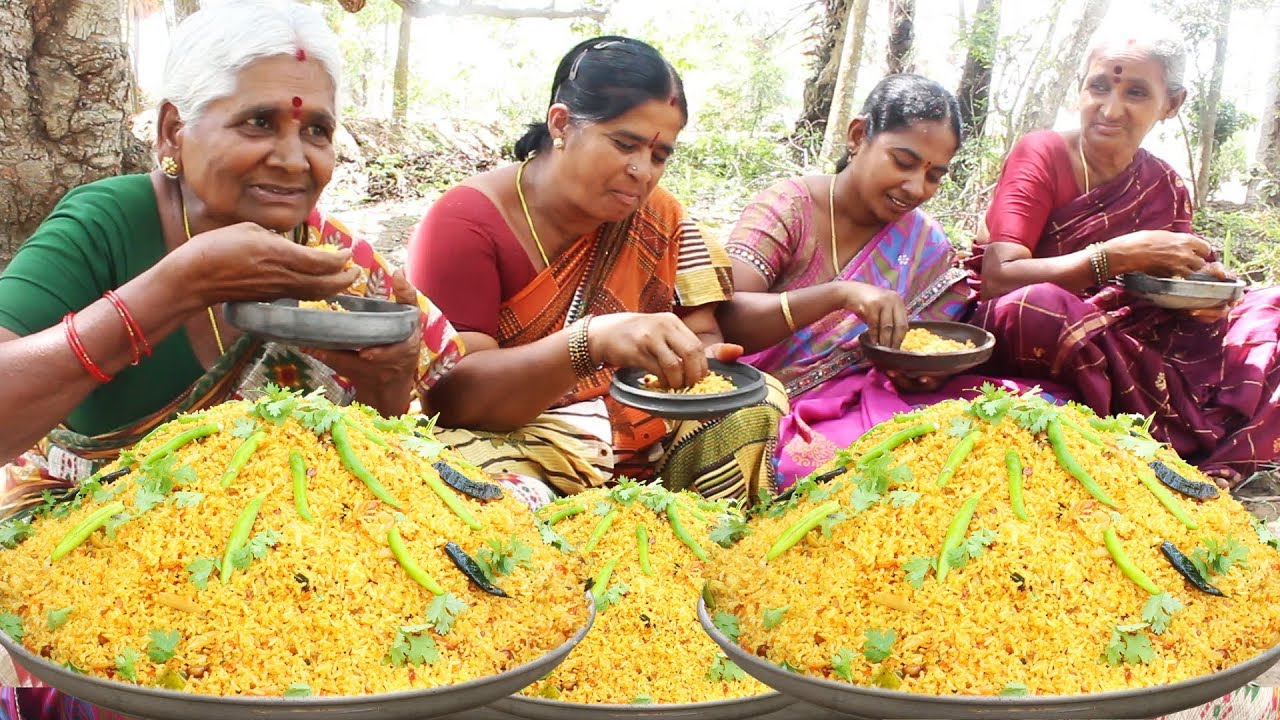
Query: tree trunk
x=1266 y=187
x=1048 y=97
x=175 y=11
x=846 y=79
x=400 y=85
x=818 y=89
x=974 y=92
x=1209 y=117
x=65 y=87
x=902 y=35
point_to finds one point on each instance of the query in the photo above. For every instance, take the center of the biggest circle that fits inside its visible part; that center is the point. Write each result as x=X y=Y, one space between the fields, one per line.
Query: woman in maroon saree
x=1074 y=210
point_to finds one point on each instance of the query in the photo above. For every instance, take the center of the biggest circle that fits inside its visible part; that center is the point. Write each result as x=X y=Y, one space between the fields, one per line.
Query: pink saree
x=1213 y=388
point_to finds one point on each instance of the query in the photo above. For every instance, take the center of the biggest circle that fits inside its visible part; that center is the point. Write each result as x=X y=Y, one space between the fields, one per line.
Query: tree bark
x=1266 y=188
x=1209 y=117
x=400 y=83
x=902 y=35
x=818 y=89
x=175 y=11
x=65 y=86
x=846 y=80
x=974 y=91
x=1050 y=96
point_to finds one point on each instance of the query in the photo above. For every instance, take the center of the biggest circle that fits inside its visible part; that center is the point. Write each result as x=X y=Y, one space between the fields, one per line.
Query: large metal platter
x=748 y=390
x=868 y=702
x=366 y=322
x=1179 y=294
x=157 y=704
x=758 y=706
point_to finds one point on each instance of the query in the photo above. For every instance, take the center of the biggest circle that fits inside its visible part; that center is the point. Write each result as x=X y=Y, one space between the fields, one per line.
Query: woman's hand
x=1158 y=252
x=908 y=383
x=384 y=375
x=247 y=262
x=882 y=310
x=659 y=343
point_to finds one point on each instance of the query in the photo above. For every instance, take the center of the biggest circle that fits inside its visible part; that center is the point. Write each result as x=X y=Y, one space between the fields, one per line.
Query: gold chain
x=831 y=209
x=1084 y=164
x=213 y=321
x=527 y=217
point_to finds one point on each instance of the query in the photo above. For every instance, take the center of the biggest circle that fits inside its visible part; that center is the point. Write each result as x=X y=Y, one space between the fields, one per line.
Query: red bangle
x=139 y=341
x=73 y=339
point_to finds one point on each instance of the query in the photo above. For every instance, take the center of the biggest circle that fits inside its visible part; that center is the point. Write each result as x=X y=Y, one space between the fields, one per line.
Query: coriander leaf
x=553 y=538
x=1033 y=415
x=243 y=427
x=656 y=499
x=992 y=405
x=11 y=625
x=413 y=646
x=603 y=507
x=1265 y=536
x=55 y=619
x=163 y=644
x=298 y=689
x=443 y=612
x=1015 y=689
x=186 y=498
x=831 y=521
x=1142 y=447
x=726 y=623
x=625 y=493
x=318 y=415
x=861 y=499
x=879 y=644
x=642 y=699
x=728 y=530
x=1138 y=649
x=200 y=569
x=1159 y=610
x=501 y=558
x=126 y=664
x=773 y=616
x=613 y=595
x=429 y=449
x=842 y=663
x=1216 y=558
x=724 y=670
x=146 y=498
x=903 y=498
x=114 y=522
x=917 y=568
x=960 y=426
x=13 y=532
x=786 y=665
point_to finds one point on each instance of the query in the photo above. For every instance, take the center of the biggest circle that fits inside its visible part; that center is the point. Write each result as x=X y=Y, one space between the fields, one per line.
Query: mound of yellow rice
x=711 y=383
x=924 y=342
x=646 y=645
x=1035 y=606
x=319 y=607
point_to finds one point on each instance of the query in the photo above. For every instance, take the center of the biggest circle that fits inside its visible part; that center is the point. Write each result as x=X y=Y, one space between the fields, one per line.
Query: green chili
x=564 y=512
x=179 y=440
x=343 y=445
x=792 y=535
x=1014 y=465
x=240 y=534
x=83 y=529
x=411 y=568
x=642 y=547
x=373 y=437
x=693 y=511
x=1131 y=571
x=1073 y=468
x=601 y=580
x=241 y=456
x=299 y=469
x=1166 y=498
x=1084 y=433
x=453 y=501
x=682 y=534
x=890 y=443
x=955 y=534
x=601 y=528
x=957 y=456
x=193 y=417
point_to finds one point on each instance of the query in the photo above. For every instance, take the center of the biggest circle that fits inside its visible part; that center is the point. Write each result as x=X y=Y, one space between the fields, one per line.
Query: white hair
x=208 y=50
x=1158 y=41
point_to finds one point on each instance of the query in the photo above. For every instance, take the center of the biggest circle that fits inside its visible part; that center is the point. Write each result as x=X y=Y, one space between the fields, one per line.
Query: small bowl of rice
x=932 y=349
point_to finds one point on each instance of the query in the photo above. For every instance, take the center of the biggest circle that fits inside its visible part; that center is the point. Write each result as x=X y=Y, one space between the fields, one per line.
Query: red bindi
x=300 y=54
x=297 y=107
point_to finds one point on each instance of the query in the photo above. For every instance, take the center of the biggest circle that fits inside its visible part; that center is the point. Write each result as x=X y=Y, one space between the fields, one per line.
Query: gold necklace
x=831 y=209
x=213 y=322
x=1084 y=165
x=527 y=217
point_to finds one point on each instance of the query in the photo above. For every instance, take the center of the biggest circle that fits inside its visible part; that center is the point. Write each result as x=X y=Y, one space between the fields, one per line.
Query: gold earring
x=557 y=143
x=169 y=166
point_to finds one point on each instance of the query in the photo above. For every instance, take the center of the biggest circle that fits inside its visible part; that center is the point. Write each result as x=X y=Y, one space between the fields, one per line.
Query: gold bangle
x=786 y=312
x=579 y=354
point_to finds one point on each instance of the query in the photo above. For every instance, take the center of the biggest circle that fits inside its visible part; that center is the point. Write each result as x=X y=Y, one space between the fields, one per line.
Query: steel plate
x=157 y=704
x=877 y=703
x=759 y=706
x=1179 y=294
x=367 y=322
x=748 y=390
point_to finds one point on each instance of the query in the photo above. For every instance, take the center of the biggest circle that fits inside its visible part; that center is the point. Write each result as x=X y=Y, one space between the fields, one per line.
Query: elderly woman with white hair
x=1075 y=209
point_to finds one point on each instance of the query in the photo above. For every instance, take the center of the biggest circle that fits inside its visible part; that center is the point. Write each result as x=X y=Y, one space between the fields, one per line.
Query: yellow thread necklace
x=831 y=209
x=213 y=322
x=527 y=217
x=1084 y=165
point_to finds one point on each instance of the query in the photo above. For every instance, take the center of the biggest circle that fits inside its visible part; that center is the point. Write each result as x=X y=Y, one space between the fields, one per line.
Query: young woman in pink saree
x=818 y=260
x=1074 y=210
